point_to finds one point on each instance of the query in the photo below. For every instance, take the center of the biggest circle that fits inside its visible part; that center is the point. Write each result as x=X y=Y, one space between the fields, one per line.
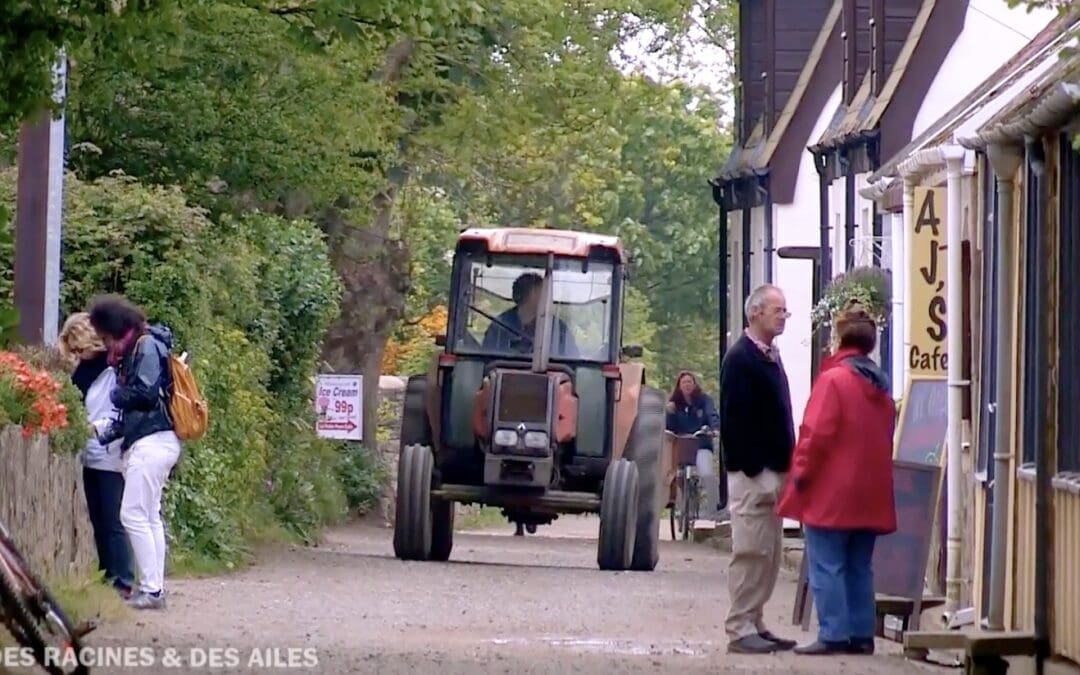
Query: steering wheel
x=500 y=322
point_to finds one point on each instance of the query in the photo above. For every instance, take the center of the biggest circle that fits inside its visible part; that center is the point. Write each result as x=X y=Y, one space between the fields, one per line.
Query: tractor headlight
x=506 y=438
x=536 y=440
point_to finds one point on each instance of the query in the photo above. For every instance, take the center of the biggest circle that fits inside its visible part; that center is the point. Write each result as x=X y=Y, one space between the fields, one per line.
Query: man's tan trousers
x=757 y=539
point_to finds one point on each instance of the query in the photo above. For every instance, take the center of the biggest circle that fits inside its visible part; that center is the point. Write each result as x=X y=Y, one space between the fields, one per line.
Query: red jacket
x=841 y=471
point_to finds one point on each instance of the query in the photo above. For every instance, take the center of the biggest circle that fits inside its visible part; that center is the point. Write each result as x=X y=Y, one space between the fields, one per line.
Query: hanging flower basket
x=870 y=287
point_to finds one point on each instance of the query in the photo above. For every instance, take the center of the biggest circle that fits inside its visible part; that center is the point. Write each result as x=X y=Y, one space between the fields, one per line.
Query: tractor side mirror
x=633 y=351
x=440 y=340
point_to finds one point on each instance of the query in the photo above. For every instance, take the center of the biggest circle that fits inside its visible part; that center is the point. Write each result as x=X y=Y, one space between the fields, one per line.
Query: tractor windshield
x=500 y=299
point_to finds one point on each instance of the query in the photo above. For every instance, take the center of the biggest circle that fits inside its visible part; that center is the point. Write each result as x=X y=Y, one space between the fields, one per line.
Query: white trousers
x=705 y=463
x=149 y=462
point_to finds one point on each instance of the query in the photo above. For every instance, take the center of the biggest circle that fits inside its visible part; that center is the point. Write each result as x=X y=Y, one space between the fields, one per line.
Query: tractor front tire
x=618 y=516
x=645 y=447
x=413 y=520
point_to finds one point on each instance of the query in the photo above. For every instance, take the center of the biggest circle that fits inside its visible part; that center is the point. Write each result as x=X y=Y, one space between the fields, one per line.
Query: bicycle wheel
x=687 y=522
x=34 y=618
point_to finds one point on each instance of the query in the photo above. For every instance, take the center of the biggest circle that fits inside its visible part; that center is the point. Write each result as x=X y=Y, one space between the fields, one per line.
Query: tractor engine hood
x=518 y=412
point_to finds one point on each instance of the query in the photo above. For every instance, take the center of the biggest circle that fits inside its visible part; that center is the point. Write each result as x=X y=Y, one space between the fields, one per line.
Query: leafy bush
x=250 y=299
x=288 y=292
x=120 y=236
x=41 y=403
x=213 y=501
x=362 y=475
x=9 y=318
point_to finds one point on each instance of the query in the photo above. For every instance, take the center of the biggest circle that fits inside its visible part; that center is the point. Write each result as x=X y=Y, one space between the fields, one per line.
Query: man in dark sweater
x=758 y=439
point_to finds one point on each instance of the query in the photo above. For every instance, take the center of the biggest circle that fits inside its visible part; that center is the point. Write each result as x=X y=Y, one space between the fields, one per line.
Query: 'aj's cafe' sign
x=926 y=277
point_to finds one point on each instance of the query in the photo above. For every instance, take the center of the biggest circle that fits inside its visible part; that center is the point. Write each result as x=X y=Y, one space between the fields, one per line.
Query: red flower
x=38 y=390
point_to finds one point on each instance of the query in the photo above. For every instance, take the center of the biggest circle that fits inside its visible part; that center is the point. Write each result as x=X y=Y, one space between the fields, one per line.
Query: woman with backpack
x=103 y=467
x=140 y=354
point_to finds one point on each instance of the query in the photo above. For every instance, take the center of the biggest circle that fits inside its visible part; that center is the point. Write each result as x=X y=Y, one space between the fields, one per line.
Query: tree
x=423 y=92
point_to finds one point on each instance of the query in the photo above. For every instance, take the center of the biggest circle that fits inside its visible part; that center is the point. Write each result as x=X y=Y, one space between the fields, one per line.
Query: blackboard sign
x=924 y=421
x=900 y=558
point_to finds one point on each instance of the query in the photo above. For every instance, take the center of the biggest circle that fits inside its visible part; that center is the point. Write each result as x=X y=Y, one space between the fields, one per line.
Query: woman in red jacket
x=840 y=486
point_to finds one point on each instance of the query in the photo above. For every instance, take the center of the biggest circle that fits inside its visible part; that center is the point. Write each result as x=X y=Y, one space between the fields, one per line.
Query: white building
x=829 y=89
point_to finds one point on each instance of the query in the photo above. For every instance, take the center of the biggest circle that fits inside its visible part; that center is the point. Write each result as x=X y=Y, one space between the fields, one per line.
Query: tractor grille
x=523 y=397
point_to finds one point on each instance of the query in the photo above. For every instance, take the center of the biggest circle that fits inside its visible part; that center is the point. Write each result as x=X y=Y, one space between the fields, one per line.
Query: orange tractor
x=531 y=406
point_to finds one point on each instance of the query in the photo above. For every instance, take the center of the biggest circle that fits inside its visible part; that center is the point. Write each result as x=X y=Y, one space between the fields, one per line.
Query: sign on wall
x=338 y=407
x=926 y=279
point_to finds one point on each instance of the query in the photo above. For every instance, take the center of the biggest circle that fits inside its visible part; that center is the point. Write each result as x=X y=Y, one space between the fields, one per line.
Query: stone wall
x=391 y=402
x=43 y=507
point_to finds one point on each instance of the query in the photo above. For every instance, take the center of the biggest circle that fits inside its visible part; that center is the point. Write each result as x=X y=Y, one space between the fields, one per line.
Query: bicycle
x=33 y=616
x=687 y=506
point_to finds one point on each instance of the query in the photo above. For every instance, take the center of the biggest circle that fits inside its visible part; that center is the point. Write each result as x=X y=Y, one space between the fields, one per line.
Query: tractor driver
x=522 y=317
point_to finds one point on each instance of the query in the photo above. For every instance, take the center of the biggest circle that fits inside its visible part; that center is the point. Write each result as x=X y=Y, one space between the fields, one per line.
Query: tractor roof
x=543 y=241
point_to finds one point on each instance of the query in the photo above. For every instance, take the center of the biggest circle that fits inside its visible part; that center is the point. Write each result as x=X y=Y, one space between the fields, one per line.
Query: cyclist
x=689 y=410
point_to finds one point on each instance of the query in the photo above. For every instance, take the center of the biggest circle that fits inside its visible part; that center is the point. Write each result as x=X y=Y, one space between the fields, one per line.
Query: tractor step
x=556 y=500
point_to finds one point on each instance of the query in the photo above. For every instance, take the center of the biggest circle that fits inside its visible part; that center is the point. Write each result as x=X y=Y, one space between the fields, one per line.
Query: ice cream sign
x=339 y=407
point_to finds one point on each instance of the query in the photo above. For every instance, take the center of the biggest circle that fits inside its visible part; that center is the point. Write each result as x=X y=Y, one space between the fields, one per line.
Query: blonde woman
x=103 y=467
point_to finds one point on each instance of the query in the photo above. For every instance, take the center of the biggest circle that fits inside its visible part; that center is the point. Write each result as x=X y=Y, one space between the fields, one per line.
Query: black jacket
x=756 y=427
x=688 y=419
x=142 y=388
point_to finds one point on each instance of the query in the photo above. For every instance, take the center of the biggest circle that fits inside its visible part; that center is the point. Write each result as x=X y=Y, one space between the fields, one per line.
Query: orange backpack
x=188 y=409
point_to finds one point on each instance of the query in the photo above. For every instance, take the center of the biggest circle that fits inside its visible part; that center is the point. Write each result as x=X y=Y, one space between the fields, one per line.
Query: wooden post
x=38 y=207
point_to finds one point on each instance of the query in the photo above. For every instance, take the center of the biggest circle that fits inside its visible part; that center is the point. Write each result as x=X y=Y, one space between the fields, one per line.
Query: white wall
x=992 y=34
x=798 y=224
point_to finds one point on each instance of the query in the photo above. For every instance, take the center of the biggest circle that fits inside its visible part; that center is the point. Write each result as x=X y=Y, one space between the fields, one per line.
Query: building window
x=1068 y=447
x=988 y=360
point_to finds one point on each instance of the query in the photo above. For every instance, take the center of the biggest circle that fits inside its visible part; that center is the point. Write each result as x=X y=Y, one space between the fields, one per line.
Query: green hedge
x=250 y=298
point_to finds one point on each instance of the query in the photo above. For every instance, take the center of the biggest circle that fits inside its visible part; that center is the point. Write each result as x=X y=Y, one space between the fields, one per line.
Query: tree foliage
x=229 y=148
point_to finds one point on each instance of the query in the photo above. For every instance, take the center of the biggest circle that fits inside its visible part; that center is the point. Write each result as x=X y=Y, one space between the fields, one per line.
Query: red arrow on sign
x=338 y=426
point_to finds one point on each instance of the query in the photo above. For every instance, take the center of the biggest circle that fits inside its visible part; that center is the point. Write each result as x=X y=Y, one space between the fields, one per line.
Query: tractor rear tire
x=442 y=529
x=413 y=521
x=644 y=448
x=415 y=424
x=618 y=516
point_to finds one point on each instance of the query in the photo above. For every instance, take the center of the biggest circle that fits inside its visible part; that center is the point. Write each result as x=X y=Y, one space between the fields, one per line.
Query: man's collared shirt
x=771 y=351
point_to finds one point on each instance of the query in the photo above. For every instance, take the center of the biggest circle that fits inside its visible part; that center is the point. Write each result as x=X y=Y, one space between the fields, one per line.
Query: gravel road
x=502 y=605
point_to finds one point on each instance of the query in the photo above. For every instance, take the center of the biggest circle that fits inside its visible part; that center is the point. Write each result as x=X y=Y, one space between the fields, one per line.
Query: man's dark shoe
x=861 y=646
x=752 y=644
x=823 y=648
x=781 y=644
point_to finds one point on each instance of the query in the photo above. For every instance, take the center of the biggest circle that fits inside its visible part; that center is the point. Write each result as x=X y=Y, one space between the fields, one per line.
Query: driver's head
x=526 y=292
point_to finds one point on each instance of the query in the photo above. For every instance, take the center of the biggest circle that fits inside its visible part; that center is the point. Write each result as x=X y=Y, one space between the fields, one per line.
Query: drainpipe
x=824 y=259
x=747 y=253
x=909 y=232
x=1043 y=467
x=1005 y=160
x=849 y=218
x=954 y=161
x=722 y=285
x=898 y=324
x=770 y=242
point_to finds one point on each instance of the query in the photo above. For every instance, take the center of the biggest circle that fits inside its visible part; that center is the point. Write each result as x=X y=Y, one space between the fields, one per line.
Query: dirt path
x=503 y=605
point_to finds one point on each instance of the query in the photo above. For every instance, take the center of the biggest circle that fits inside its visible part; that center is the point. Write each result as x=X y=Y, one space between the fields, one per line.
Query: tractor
x=531 y=404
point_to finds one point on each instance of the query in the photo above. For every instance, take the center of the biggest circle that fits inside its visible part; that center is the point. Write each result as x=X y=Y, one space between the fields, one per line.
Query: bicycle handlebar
x=697 y=434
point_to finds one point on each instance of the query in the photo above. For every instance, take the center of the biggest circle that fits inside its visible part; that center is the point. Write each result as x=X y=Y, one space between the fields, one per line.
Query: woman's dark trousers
x=104 y=490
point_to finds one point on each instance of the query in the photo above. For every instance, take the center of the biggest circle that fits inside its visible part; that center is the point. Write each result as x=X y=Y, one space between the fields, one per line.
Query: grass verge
x=478 y=517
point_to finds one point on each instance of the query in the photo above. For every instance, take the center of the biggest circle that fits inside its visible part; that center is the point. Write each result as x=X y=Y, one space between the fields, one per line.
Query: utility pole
x=38 y=214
